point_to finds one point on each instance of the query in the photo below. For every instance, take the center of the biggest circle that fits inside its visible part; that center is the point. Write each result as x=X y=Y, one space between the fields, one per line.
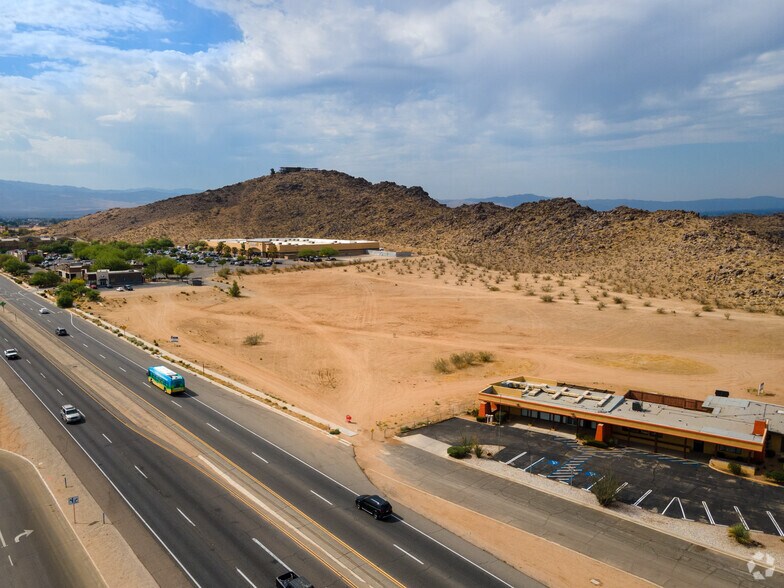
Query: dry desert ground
x=363 y=339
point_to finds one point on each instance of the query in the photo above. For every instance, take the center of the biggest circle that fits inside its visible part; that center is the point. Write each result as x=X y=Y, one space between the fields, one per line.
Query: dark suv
x=61 y=332
x=375 y=505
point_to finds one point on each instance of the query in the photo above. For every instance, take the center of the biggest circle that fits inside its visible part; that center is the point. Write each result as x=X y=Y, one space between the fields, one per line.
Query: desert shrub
x=696 y=313
x=485 y=356
x=234 y=291
x=254 y=339
x=442 y=366
x=740 y=534
x=546 y=298
x=606 y=489
x=547 y=288
x=457 y=451
x=478 y=449
x=646 y=303
x=617 y=300
x=65 y=300
x=776 y=475
x=334 y=431
x=224 y=272
x=707 y=308
x=727 y=315
x=660 y=310
x=601 y=306
x=735 y=468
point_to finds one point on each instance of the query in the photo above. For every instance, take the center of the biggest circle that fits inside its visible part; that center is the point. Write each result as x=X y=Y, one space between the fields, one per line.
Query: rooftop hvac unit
x=637 y=405
x=722 y=393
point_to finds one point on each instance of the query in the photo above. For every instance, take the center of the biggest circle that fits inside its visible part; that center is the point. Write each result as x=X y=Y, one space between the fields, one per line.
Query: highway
x=311 y=473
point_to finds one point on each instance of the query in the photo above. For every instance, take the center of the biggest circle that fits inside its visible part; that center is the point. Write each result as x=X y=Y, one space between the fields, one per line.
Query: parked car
x=292 y=580
x=120 y=289
x=70 y=414
x=128 y=287
x=60 y=331
x=11 y=354
x=373 y=504
x=93 y=287
x=43 y=310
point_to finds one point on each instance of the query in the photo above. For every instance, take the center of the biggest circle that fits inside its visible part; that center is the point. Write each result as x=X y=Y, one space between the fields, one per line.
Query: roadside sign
x=73 y=500
x=174 y=339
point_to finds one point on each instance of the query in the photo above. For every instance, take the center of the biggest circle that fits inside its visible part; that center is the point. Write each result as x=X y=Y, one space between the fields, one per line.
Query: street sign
x=73 y=500
x=174 y=339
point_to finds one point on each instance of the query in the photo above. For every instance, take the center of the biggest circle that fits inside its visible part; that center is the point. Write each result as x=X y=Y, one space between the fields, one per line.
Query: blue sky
x=585 y=98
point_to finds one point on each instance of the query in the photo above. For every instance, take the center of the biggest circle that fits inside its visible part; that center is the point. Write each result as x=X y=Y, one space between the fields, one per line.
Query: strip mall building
x=718 y=426
x=292 y=246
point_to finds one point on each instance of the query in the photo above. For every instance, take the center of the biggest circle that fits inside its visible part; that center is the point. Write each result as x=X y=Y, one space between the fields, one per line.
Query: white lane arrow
x=26 y=533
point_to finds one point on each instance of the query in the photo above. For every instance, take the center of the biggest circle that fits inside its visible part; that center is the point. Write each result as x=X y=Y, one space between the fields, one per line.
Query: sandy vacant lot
x=362 y=339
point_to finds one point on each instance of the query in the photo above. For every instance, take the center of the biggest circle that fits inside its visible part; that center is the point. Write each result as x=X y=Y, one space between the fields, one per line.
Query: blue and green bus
x=167 y=380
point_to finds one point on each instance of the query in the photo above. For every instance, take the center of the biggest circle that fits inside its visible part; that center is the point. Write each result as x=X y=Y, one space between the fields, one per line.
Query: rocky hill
x=733 y=261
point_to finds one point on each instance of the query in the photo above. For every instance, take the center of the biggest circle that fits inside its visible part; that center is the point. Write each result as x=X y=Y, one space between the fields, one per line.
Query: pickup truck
x=292 y=580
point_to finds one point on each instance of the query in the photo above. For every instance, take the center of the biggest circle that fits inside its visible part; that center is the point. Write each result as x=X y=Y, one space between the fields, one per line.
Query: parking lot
x=669 y=485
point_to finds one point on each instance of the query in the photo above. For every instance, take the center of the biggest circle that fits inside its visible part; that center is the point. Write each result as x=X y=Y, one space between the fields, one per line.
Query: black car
x=60 y=331
x=292 y=580
x=375 y=505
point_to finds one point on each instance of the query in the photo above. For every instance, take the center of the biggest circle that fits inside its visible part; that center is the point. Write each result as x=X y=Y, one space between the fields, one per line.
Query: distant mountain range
x=707 y=207
x=29 y=200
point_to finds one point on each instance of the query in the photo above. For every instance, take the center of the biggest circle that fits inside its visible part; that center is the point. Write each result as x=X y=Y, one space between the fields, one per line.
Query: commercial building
x=718 y=426
x=102 y=278
x=291 y=246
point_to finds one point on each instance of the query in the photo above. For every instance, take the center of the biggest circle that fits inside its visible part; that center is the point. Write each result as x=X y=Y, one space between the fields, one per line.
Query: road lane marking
x=740 y=516
x=58 y=389
x=123 y=369
x=107 y=438
x=182 y=513
x=12 y=561
x=775 y=524
x=516 y=457
x=239 y=571
x=641 y=498
x=85 y=344
x=708 y=512
x=261 y=458
x=102 y=356
x=409 y=555
x=28 y=361
x=533 y=464
x=42 y=375
x=272 y=555
x=146 y=384
x=108 y=479
x=146 y=478
x=177 y=403
x=322 y=498
x=2 y=540
x=214 y=427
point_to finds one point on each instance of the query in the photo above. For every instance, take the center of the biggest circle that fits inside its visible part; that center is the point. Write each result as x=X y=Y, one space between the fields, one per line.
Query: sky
x=466 y=98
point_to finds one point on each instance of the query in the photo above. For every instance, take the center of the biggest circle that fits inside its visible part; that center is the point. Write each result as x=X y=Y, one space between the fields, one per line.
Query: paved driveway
x=672 y=486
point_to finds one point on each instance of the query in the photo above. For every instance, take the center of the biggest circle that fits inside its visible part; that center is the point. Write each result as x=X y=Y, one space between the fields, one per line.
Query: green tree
x=272 y=250
x=307 y=253
x=15 y=267
x=35 y=259
x=234 y=291
x=65 y=300
x=220 y=247
x=328 y=252
x=182 y=271
x=45 y=279
x=166 y=266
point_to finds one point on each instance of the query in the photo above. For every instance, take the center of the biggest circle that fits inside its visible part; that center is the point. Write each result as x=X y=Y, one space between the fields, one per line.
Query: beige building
x=292 y=246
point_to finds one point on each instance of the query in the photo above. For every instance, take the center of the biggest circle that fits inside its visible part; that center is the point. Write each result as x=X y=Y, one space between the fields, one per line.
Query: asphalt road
x=37 y=548
x=313 y=472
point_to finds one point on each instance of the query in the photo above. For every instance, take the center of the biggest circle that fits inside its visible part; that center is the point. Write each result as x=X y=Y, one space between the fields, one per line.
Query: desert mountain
x=723 y=261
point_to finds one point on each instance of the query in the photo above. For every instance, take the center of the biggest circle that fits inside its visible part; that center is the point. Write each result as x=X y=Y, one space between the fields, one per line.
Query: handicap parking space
x=673 y=486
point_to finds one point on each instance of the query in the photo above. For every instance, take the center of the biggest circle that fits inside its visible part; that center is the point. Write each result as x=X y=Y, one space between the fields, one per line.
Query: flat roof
x=728 y=417
x=298 y=241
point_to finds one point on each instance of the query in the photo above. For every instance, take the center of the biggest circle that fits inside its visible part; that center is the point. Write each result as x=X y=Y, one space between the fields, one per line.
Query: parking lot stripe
x=588 y=489
x=641 y=498
x=516 y=457
x=621 y=487
x=775 y=524
x=680 y=504
x=533 y=464
x=707 y=512
x=740 y=516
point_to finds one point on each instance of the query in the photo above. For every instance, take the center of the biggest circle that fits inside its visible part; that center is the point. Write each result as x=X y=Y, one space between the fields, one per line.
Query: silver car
x=70 y=414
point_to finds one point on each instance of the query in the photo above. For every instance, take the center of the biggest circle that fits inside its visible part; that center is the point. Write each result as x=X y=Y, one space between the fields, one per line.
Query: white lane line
x=516 y=457
x=2 y=540
x=107 y=438
x=641 y=498
x=42 y=375
x=775 y=524
x=621 y=487
x=146 y=384
x=184 y=516
x=85 y=344
x=344 y=442
x=108 y=479
x=214 y=427
x=122 y=369
x=272 y=555
x=58 y=389
x=177 y=403
x=12 y=561
x=533 y=464
x=28 y=361
x=453 y=552
x=708 y=512
x=322 y=498
x=409 y=555
x=239 y=571
x=101 y=356
x=740 y=516
x=261 y=458
x=146 y=478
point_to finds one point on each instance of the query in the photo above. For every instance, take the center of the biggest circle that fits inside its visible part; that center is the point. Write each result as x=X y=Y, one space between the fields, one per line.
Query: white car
x=70 y=414
x=120 y=289
x=11 y=354
x=43 y=310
